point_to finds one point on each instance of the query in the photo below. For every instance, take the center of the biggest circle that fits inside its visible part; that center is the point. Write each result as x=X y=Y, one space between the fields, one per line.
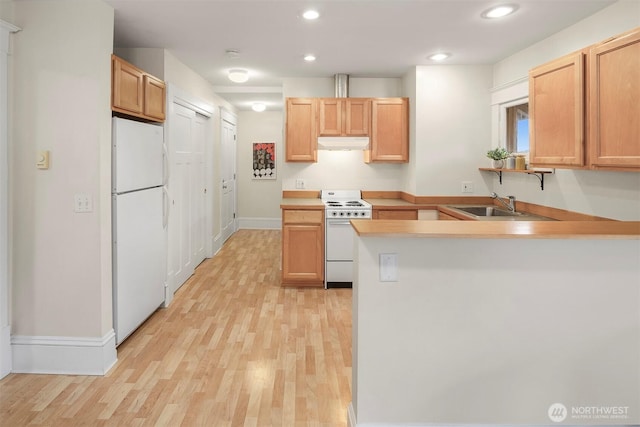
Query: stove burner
x=353 y=203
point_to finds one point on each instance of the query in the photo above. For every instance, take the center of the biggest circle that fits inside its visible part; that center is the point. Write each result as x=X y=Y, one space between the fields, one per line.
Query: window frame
x=503 y=122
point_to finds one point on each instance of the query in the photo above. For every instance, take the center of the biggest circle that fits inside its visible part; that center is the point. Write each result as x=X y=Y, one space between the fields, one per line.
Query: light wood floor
x=233 y=349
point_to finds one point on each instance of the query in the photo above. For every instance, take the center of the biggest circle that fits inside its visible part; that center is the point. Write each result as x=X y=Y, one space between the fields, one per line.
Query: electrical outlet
x=299 y=183
x=467 y=187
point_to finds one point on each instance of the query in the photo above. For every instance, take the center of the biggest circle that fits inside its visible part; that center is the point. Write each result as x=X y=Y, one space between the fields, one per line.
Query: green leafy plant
x=498 y=154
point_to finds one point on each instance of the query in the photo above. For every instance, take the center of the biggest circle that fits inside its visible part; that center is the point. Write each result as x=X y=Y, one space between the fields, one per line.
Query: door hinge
x=205 y=191
x=234 y=215
x=234 y=176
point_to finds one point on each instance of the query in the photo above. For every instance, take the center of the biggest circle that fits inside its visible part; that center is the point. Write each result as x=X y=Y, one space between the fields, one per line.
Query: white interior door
x=228 y=179
x=198 y=187
x=181 y=264
x=187 y=191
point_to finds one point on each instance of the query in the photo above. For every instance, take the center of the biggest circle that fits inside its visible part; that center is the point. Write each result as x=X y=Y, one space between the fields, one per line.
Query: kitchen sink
x=487 y=211
x=494 y=213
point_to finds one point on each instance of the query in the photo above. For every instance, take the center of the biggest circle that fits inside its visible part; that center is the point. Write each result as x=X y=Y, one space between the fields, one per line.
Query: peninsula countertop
x=499 y=229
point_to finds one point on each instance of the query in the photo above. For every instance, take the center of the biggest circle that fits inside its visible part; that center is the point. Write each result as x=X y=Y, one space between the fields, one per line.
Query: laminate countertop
x=304 y=204
x=499 y=229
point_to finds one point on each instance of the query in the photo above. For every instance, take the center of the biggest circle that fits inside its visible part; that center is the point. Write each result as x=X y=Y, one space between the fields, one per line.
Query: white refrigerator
x=139 y=223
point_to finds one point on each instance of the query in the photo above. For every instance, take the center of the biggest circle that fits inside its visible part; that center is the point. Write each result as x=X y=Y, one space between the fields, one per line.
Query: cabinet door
x=614 y=106
x=154 y=98
x=303 y=254
x=357 y=117
x=556 y=112
x=330 y=117
x=389 y=131
x=302 y=142
x=127 y=87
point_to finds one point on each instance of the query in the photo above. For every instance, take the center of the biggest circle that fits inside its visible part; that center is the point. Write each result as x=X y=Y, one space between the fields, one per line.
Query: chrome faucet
x=512 y=201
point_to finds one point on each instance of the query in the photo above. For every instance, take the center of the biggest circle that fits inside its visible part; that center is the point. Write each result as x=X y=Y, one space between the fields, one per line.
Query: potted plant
x=497 y=155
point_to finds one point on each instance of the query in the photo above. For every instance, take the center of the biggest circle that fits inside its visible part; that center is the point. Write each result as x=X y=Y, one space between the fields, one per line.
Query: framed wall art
x=264 y=160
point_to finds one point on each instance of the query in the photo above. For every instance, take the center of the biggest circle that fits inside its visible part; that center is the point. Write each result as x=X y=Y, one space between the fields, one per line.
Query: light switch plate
x=388 y=267
x=82 y=203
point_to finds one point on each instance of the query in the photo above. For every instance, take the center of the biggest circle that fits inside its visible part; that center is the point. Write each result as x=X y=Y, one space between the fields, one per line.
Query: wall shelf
x=538 y=173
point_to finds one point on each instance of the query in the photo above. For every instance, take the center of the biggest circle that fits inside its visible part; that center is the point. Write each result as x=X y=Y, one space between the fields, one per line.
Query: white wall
x=259 y=200
x=463 y=339
x=61 y=260
x=452 y=129
x=609 y=194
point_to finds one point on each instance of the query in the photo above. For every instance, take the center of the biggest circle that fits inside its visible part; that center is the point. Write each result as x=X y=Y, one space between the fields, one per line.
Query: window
x=517 y=127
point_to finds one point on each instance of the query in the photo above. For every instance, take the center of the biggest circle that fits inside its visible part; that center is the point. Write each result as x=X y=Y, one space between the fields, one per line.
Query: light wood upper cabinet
x=303 y=247
x=614 y=103
x=136 y=93
x=301 y=137
x=584 y=110
x=127 y=87
x=389 y=131
x=556 y=112
x=344 y=116
x=154 y=99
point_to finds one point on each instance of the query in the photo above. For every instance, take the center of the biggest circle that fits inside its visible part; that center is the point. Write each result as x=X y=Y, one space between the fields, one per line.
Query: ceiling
x=362 y=38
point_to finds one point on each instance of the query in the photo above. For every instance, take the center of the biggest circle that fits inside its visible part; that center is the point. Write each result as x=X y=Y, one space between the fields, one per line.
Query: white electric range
x=341 y=206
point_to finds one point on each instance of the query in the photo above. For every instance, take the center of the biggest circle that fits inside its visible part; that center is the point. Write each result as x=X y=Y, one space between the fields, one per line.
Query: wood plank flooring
x=233 y=349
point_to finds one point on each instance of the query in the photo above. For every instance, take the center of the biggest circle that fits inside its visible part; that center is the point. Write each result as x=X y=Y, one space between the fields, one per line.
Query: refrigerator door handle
x=165 y=207
x=165 y=178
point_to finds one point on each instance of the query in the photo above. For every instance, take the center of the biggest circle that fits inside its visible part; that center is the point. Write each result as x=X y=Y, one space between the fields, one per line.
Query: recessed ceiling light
x=238 y=76
x=499 y=11
x=439 y=56
x=311 y=15
x=309 y=58
x=258 y=107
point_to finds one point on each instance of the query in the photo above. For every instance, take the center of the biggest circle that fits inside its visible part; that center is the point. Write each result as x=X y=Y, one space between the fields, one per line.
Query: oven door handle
x=338 y=222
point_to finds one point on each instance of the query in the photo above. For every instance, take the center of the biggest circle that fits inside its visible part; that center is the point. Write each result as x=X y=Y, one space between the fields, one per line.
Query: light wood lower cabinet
x=445 y=217
x=303 y=247
x=394 y=214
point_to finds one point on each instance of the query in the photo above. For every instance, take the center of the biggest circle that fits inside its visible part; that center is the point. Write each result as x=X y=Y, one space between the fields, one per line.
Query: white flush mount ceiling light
x=310 y=15
x=499 y=11
x=309 y=58
x=439 y=56
x=258 y=107
x=238 y=76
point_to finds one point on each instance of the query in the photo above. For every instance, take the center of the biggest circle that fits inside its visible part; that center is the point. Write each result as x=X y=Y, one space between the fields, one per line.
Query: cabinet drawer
x=397 y=214
x=302 y=217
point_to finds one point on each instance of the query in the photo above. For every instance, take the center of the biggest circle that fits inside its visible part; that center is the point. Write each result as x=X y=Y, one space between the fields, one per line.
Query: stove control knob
x=341 y=213
x=334 y=213
x=362 y=213
x=348 y=213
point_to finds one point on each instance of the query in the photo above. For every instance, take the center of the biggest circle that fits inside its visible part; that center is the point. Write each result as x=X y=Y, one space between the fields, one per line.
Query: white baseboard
x=5 y=348
x=64 y=355
x=351 y=416
x=260 y=223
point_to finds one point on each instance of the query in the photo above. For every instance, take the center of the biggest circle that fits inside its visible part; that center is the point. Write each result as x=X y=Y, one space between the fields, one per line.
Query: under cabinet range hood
x=341 y=83
x=343 y=143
